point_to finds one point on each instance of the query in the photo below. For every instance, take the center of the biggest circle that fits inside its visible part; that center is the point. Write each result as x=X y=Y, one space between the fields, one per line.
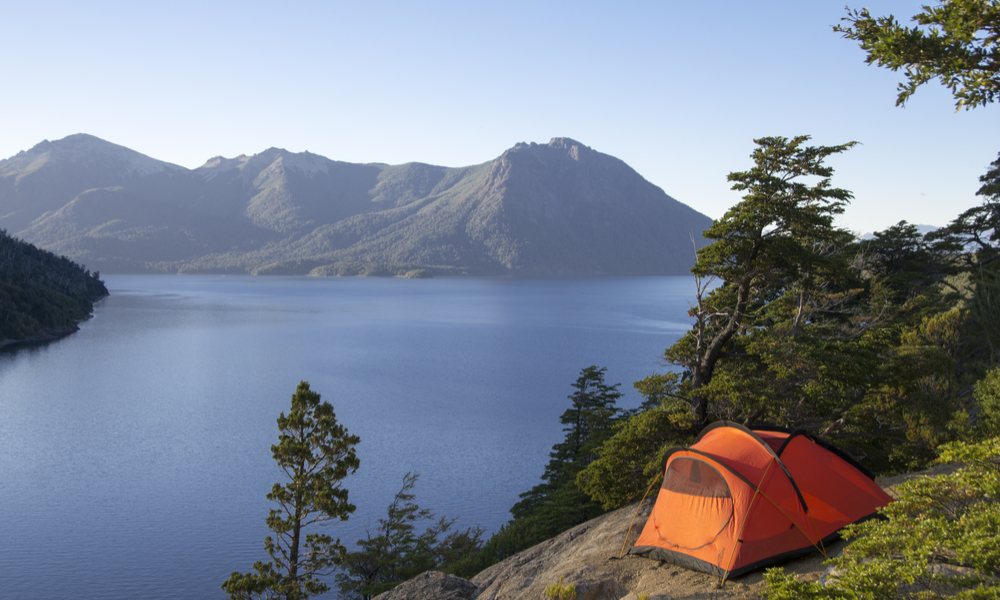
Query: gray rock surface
x=432 y=585
x=587 y=557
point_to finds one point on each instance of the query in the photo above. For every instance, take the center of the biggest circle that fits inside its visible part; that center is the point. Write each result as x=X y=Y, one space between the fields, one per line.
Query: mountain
x=538 y=210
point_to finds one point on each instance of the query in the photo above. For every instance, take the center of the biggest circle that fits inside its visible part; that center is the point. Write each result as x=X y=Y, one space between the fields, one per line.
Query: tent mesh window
x=693 y=477
x=700 y=490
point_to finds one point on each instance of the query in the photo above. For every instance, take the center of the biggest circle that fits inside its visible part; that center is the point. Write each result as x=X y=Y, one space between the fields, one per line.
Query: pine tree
x=316 y=454
x=395 y=552
x=557 y=504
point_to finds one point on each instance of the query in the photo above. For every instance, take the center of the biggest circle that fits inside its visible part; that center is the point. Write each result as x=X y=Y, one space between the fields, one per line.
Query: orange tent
x=737 y=500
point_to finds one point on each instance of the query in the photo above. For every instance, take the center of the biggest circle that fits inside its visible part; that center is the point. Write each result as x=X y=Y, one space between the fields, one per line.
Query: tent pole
x=794 y=524
x=822 y=546
x=739 y=536
x=633 y=518
x=886 y=488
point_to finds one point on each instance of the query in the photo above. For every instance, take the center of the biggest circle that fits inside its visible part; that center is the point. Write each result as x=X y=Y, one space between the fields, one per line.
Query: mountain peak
x=557 y=146
x=221 y=163
x=565 y=143
x=87 y=150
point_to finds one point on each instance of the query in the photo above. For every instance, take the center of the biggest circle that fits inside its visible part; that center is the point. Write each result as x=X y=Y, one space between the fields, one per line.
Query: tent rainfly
x=737 y=500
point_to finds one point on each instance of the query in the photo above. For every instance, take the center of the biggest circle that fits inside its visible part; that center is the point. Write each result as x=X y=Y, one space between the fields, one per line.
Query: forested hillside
x=42 y=295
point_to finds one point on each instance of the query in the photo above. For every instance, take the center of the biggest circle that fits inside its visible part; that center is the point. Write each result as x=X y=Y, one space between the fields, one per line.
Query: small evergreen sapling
x=396 y=552
x=558 y=591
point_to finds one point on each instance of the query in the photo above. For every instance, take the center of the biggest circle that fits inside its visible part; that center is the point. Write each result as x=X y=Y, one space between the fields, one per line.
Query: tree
x=631 y=460
x=315 y=453
x=903 y=259
x=987 y=393
x=588 y=423
x=557 y=504
x=975 y=233
x=858 y=342
x=957 y=42
x=973 y=241
x=396 y=552
x=780 y=236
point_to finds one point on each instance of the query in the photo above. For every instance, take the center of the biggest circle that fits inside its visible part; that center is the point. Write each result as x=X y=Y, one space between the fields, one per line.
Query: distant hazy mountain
x=921 y=229
x=555 y=209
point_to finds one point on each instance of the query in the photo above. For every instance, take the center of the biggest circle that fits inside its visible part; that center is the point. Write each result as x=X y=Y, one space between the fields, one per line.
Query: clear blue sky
x=678 y=90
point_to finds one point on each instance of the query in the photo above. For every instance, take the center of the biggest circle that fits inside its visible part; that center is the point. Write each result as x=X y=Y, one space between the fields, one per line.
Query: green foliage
x=873 y=345
x=631 y=460
x=779 y=237
x=557 y=504
x=972 y=241
x=558 y=591
x=856 y=341
x=396 y=552
x=975 y=234
x=40 y=292
x=902 y=260
x=987 y=395
x=956 y=42
x=315 y=453
x=941 y=538
x=985 y=309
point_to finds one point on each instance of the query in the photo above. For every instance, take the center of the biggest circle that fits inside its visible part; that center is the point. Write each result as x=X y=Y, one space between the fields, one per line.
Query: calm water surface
x=135 y=454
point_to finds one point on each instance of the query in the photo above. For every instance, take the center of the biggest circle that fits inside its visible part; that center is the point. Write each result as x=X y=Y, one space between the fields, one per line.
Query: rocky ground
x=587 y=557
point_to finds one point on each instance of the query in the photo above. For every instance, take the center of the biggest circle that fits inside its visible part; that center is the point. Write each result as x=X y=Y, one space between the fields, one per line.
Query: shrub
x=941 y=538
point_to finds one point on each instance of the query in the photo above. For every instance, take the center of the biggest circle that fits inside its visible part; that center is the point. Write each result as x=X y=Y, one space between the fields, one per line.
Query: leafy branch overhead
x=956 y=42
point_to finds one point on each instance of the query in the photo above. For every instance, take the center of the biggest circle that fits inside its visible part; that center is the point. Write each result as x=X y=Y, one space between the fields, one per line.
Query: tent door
x=698 y=505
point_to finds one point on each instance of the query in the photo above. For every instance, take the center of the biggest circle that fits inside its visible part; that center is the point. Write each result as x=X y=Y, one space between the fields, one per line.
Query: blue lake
x=135 y=454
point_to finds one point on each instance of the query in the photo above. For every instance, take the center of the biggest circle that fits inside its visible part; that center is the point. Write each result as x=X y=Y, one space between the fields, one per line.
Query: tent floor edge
x=803 y=551
x=677 y=558
x=696 y=564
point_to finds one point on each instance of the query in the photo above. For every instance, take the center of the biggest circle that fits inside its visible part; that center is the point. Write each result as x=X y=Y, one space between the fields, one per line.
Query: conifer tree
x=557 y=503
x=315 y=453
x=395 y=551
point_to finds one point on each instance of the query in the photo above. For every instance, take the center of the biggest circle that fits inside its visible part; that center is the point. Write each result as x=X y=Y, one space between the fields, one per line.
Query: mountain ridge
x=552 y=209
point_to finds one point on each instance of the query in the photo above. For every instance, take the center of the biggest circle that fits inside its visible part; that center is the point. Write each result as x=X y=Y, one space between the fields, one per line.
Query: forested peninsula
x=42 y=295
